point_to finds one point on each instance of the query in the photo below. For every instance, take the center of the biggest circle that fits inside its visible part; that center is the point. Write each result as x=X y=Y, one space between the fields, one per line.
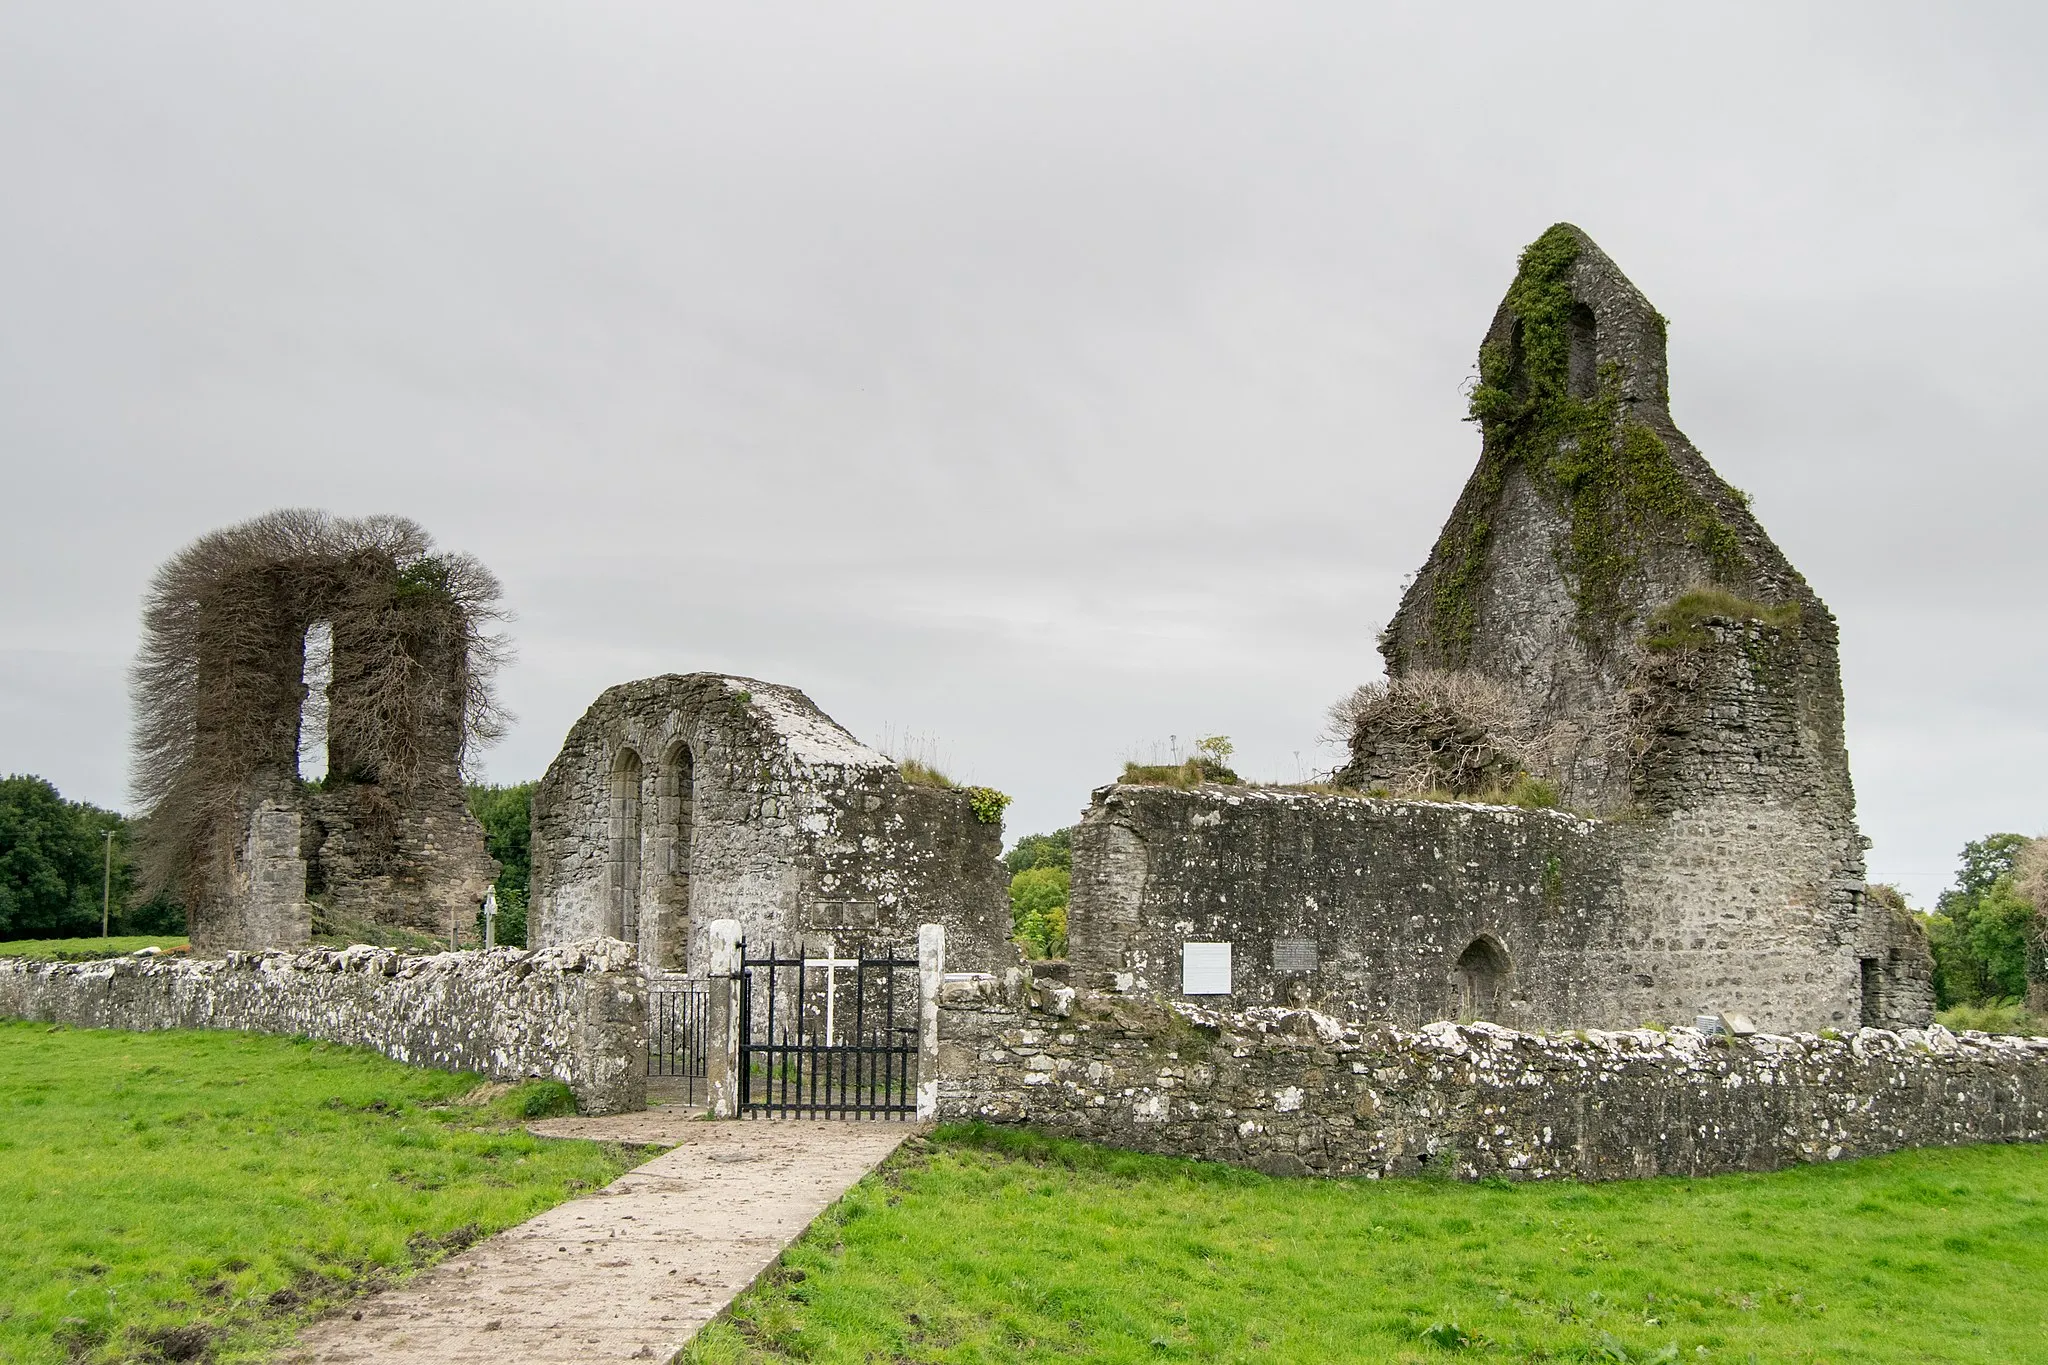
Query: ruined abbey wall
x=684 y=799
x=1413 y=911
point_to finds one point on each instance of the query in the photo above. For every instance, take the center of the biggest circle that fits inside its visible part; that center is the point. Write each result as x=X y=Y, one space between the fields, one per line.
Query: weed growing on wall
x=987 y=804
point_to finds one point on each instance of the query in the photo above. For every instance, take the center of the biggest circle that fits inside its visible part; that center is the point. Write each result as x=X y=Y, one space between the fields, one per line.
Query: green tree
x=1983 y=926
x=52 y=866
x=1042 y=850
x=506 y=813
x=1038 y=910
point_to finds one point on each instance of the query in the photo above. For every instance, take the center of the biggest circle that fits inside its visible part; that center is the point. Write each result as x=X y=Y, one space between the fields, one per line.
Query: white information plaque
x=1205 y=969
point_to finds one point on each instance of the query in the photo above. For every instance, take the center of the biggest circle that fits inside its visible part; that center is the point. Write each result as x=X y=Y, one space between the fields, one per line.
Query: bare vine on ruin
x=218 y=684
x=1438 y=730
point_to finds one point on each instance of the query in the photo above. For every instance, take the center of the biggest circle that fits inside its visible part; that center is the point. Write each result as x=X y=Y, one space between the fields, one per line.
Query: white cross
x=831 y=964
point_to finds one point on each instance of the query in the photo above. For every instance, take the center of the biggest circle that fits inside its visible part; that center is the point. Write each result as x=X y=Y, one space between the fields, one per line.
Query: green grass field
x=163 y=1195
x=86 y=949
x=989 y=1245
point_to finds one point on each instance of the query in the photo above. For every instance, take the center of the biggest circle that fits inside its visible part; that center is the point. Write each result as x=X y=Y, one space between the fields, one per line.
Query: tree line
x=54 y=868
x=1986 y=930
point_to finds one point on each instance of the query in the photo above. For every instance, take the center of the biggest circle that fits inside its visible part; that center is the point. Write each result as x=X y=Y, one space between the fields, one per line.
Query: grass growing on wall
x=166 y=1195
x=995 y=1245
x=89 y=949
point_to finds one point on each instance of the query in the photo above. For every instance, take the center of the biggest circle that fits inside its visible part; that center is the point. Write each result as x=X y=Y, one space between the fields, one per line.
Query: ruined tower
x=222 y=702
x=1670 y=664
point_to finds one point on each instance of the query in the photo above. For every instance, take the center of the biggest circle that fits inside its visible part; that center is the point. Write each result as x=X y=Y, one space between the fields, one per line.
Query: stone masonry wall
x=691 y=798
x=1364 y=907
x=575 y=1014
x=1299 y=1092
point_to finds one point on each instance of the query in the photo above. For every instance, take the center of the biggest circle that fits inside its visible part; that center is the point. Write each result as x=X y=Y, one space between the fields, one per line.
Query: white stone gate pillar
x=931 y=973
x=722 y=1023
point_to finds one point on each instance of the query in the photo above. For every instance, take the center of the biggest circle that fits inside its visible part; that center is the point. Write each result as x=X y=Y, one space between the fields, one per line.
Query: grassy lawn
x=988 y=1245
x=167 y=1194
x=87 y=949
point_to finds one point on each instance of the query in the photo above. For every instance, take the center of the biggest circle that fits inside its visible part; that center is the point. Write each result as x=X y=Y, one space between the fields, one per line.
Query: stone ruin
x=685 y=799
x=224 y=709
x=1602 y=626
x=1604 y=781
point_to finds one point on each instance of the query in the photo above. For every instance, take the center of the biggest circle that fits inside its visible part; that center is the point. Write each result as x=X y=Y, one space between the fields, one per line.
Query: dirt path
x=630 y=1272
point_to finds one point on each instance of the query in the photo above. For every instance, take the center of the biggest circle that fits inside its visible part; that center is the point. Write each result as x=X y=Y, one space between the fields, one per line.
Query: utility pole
x=107 y=888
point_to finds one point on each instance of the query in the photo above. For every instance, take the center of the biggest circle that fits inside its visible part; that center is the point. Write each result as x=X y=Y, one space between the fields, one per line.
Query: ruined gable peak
x=1570 y=325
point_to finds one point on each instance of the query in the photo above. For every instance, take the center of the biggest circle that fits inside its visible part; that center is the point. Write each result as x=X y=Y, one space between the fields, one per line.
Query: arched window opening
x=1584 y=374
x=1483 y=970
x=316 y=676
x=625 y=846
x=675 y=815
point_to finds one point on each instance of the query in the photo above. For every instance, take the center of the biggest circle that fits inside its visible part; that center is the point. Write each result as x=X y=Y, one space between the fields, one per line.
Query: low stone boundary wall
x=1295 y=1091
x=574 y=1013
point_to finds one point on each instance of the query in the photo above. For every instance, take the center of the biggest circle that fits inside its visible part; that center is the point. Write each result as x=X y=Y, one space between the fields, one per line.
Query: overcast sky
x=1036 y=382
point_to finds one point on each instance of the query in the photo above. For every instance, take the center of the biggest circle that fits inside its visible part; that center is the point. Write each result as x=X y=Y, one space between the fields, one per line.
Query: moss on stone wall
x=1610 y=474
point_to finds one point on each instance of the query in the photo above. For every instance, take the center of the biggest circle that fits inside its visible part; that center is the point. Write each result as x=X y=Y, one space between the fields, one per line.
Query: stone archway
x=1482 y=976
x=624 y=911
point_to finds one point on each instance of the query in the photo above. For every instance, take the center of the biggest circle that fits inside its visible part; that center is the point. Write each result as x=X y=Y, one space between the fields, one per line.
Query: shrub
x=2004 y=1016
x=987 y=804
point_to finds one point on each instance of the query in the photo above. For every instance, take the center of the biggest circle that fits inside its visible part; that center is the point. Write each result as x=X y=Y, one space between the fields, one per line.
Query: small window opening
x=1584 y=375
x=1482 y=970
x=675 y=812
x=1873 y=991
x=317 y=676
x=625 y=847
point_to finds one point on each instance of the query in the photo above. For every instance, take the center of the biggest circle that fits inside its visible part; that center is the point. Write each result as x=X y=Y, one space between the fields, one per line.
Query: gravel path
x=630 y=1272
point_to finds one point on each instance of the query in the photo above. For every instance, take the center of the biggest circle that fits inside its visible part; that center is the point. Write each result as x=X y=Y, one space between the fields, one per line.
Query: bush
x=987 y=804
x=2005 y=1016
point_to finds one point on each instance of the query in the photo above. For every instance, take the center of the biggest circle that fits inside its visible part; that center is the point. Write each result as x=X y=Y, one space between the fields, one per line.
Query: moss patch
x=1681 y=623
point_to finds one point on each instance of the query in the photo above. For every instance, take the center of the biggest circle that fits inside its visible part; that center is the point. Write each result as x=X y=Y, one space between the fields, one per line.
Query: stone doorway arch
x=1482 y=975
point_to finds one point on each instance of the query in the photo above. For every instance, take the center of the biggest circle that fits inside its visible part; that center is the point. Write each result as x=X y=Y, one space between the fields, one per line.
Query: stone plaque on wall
x=1205 y=969
x=1294 y=956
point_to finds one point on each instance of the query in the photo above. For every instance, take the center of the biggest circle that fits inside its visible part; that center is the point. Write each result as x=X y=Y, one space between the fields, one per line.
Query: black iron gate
x=829 y=1036
x=678 y=1037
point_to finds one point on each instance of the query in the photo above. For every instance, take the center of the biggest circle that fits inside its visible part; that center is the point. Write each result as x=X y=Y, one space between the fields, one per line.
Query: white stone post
x=722 y=1048
x=931 y=972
